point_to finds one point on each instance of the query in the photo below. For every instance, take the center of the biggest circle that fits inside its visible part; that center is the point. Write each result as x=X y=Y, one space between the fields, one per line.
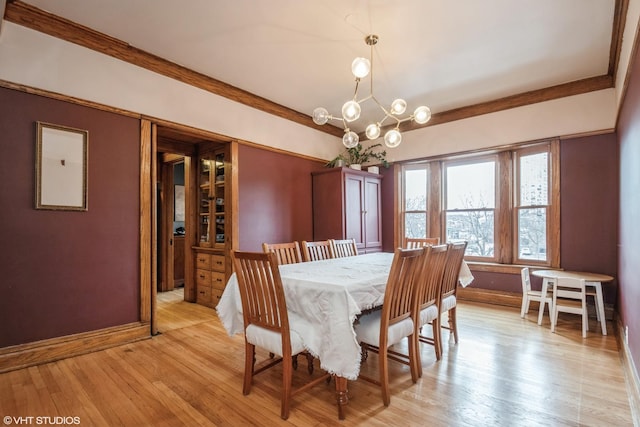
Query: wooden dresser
x=212 y=255
x=210 y=278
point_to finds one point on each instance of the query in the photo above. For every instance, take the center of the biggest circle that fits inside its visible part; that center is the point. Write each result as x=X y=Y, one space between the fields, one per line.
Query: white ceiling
x=441 y=53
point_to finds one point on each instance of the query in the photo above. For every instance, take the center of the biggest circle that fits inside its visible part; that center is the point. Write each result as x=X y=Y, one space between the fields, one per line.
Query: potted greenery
x=358 y=155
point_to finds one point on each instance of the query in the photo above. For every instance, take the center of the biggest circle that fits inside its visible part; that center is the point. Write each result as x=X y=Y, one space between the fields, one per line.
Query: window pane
x=476 y=227
x=415 y=225
x=532 y=233
x=415 y=190
x=534 y=179
x=471 y=186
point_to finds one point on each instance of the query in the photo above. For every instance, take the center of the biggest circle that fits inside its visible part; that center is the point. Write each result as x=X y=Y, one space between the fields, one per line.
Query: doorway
x=175 y=226
x=171 y=222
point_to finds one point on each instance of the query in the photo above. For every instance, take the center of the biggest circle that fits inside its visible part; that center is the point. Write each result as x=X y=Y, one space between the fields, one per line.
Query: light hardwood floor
x=505 y=371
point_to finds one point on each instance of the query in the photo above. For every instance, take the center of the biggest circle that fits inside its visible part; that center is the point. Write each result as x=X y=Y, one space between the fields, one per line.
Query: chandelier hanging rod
x=362 y=67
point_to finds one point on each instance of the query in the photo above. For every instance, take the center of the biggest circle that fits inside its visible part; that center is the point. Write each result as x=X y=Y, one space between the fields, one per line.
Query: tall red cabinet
x=347 y=205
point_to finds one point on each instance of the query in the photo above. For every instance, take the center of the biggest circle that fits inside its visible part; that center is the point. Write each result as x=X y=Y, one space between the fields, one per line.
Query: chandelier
x=362 y=67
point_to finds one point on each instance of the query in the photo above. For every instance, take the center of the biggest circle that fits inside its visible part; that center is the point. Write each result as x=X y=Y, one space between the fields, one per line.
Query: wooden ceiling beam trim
x=547 y=94
x=31 y=17
x=617 y=30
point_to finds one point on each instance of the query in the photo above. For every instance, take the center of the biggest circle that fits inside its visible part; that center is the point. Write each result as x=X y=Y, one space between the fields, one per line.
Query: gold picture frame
x=61 y=167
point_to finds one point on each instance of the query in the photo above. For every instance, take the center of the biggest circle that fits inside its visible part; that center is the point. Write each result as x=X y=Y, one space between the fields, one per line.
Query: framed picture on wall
x=61 y=167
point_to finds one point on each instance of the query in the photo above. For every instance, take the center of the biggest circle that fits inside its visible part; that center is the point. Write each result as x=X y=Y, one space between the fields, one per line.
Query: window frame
x=492 y=157
x=505 y=220
x=403 y=211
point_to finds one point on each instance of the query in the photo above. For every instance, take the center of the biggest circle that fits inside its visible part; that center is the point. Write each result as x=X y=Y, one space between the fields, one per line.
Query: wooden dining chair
x=529 y=295
x=315 y=251
x=428 y=297
x=344 y=248
x=266 y=322
x=286 y=253
x=569 y=296
x=448 y=301
x=414 y=242
x=380 y=329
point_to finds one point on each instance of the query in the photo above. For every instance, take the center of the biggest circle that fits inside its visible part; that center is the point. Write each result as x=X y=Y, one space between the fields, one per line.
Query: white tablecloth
x=323 y=300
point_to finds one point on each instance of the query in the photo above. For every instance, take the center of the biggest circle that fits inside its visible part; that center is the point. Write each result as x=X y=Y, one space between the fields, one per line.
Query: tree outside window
x=470 y=205
x=502 y=203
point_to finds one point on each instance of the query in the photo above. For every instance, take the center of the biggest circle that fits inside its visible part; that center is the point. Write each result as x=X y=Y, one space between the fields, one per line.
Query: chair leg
x=310 y=363
x=541 y=310
x=585 y=319
x=440 y=334
x=436 y=337
x=384 y=375
x=414 y=357
x=524 y=307
x=249 y=362
x=287 y=374
x=453 y=324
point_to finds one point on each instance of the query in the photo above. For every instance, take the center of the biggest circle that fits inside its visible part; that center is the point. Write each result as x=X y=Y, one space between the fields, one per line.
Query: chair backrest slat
x=399 y=301
x=414 y=242
x=567 y=287
x=286 y=253
x=526 y=280
x=261 y=292
x=432 y=272
x=455 y=256
x=344 y=248
x=315 y=251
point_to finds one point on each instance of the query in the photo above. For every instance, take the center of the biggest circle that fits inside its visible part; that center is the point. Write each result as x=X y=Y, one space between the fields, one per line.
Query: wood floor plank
x=505 y=371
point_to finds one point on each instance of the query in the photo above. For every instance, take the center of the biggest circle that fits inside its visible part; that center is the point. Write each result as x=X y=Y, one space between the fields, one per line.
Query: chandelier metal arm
x=361 y=67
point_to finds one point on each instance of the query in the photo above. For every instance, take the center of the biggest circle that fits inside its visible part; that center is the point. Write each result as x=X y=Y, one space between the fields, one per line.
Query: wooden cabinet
x=212 y=193
x=347 y=205
x=210 y=278
x=212 y=253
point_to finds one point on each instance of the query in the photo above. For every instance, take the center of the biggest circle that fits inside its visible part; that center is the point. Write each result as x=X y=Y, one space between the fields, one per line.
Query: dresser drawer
x=203 y=295
x=217 y=263
x=203 y=261
x=217 y=280
x=216 y=294
x=203 y=277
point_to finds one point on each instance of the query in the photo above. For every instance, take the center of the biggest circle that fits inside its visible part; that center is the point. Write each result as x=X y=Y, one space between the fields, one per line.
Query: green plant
x=333 y=163
x=358 y=155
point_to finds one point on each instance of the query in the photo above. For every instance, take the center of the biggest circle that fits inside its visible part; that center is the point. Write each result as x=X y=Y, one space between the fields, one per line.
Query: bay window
x=504 y=203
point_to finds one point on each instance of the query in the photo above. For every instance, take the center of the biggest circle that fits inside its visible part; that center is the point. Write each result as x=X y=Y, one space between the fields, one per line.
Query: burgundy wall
x=629 y=247
x=589 y=207
x=589 y=214
x=66 y=272
x=274 y=197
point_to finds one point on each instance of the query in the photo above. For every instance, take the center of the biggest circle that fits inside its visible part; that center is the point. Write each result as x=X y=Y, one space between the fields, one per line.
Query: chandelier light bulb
x=373 y=131
x=320 y=116
x=398 y=106
x=422 y=115
x=392 y=138
x=360 y=67
x=351 y=111
x=350 y=139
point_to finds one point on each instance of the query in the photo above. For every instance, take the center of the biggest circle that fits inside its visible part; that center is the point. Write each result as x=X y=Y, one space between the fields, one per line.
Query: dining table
x=324 y=298
x=591 y=279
